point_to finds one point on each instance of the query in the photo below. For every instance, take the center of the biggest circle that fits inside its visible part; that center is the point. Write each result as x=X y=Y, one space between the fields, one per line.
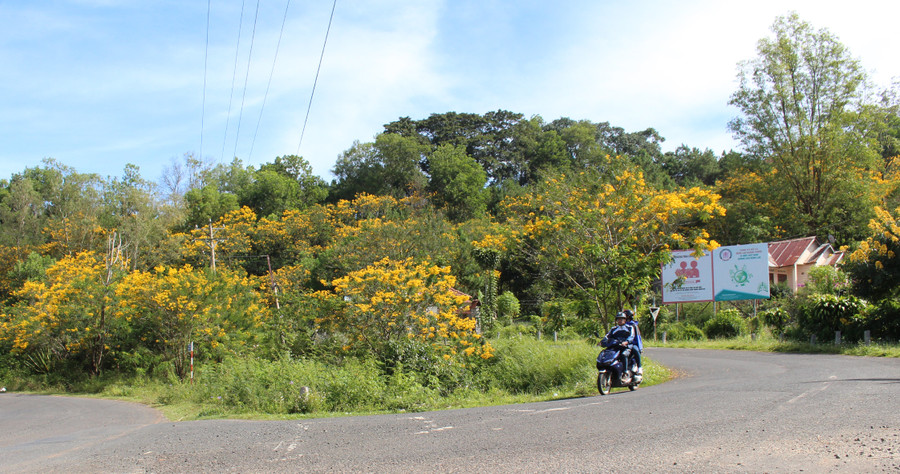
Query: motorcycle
x=614 y=370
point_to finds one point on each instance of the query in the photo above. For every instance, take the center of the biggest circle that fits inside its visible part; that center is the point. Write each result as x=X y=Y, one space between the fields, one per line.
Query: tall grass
x=525 y=370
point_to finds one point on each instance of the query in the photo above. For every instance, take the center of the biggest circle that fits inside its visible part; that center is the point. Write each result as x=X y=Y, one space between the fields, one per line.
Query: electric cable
x=246 y=78
x=205 y=62
x=237 y=50
x=316 y=80
x=269 y=84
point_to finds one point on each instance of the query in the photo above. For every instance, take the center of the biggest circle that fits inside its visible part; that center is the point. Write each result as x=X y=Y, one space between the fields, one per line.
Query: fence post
x=812 y=339
x=837 y=338
x=554 y=336
x=867 y=336
x=665 y=333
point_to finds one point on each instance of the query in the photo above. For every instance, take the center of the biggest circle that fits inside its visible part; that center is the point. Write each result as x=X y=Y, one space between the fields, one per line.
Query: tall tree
x=800 y=102
x=130 y=207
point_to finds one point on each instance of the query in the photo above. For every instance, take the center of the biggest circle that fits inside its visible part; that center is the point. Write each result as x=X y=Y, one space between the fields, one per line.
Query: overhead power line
x=269 y=84
x=319 y=68
x=205 y=61
x=246 y=78
x=237 y=50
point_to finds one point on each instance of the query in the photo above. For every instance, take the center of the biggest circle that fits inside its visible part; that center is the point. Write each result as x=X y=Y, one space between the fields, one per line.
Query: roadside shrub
x=822 y=315
x=776 y=318
x=403 y=391
x=827 y=280
x=556 y=314
x=681 y=331
x=884 y=321
x=508 y=307
x=292 y=386
x=523 y=365
x=727 y=323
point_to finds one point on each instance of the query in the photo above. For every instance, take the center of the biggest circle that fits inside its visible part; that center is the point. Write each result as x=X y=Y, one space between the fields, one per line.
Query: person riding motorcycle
x=621 y=334
x=638 y=346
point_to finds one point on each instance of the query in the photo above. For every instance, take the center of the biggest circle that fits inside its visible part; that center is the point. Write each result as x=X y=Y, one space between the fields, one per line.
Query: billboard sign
x=687 y=278
x=741 y=272
x=736 y=272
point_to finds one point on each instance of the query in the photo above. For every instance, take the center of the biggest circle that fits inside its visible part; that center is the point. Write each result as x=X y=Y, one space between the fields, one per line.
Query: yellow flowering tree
x=875 y=264
x=371 y=228
x=602 y=237
x=392 y=303
x=69 y=316
x=232 y=235
x=168 y=308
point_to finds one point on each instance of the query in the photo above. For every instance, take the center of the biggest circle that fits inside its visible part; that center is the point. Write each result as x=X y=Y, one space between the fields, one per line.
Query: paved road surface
x=729 y=412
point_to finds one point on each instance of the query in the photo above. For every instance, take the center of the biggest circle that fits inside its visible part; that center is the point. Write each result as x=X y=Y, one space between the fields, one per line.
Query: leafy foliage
x=726 y=323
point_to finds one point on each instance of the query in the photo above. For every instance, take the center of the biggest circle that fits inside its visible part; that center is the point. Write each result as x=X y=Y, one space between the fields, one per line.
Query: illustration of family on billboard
x=736 y=272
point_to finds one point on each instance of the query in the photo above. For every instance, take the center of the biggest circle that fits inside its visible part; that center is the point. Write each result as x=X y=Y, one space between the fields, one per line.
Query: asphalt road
x=728 y=412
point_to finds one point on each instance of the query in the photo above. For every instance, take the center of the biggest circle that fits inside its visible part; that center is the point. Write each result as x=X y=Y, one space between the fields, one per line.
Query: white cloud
x=97 y=84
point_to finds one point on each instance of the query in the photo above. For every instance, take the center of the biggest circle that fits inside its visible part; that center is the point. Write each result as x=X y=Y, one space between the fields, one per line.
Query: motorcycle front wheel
x=604 y=382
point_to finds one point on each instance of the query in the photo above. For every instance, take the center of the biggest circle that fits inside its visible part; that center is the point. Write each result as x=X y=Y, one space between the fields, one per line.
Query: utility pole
x=211 y=242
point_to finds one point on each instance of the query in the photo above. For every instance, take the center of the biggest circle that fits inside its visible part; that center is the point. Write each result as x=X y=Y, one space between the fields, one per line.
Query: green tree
x=457 y=182
x=691 y=167
x=401 y=161
x=800 y=101
x=131 y=208
x=21 y=213
x=358 y=170
x=208 y=204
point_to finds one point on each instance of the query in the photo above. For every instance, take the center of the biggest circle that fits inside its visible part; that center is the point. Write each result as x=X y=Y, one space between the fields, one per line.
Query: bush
x=822 y=315
x=776 y=318
x=681 y=331
x=508 y=307
x=255 y=385
x=523 y=365
x=827 y=280
x=884 y=320
x=725 y=324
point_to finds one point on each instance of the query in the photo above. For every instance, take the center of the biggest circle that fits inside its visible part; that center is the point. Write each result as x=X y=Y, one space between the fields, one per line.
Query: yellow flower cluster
x=63 y=310
x=395 y=300
x=885 y=229
x=495 y=242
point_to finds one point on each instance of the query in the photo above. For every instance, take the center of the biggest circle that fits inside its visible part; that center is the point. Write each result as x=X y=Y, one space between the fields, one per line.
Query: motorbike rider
x=621 y=334
x=638 y=346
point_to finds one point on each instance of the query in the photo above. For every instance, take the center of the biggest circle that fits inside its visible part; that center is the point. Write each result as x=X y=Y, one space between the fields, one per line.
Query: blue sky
x=96 y=84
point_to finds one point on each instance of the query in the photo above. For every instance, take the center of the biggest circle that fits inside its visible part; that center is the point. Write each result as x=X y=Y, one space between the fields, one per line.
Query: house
x=791 y=260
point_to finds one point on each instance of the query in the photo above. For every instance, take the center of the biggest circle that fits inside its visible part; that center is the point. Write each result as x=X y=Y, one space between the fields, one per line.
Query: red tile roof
x=790 y=252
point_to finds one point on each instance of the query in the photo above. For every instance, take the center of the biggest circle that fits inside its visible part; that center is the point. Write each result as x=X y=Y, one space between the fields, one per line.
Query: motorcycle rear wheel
x=604 y=382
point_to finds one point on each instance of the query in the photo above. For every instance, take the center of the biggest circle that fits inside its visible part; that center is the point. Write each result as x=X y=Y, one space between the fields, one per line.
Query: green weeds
x=525 y=369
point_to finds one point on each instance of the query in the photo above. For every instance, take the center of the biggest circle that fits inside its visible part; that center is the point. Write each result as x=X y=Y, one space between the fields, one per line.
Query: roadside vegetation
x=456 y=260
x=769 y=344
x=527 y=370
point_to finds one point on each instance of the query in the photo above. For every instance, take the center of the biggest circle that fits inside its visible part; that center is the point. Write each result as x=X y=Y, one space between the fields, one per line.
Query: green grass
x=525 y=370
x=766 y=343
